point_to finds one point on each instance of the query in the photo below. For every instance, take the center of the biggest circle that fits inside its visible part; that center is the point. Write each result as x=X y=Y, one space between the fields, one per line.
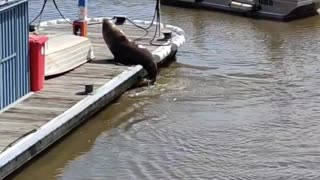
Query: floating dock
x=262 y=9
x=35 y=122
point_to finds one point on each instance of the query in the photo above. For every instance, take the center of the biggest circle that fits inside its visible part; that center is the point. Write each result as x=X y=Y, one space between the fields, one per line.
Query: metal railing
x=14 y=60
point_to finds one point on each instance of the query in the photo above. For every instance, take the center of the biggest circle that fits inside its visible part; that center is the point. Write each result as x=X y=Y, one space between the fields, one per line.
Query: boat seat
x=65 y=52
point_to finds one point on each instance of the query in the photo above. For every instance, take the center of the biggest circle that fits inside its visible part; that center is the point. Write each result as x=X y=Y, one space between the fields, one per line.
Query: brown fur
x=127 y=52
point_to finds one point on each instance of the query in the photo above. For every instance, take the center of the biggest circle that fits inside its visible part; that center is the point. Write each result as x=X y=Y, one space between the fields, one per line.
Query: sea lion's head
x=111 y=32
x=107 y=24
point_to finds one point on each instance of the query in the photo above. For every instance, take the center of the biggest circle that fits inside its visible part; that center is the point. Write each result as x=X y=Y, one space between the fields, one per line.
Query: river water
x=240 y=102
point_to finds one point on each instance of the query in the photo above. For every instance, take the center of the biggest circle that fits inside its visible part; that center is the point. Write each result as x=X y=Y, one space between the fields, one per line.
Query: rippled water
x=240 y=102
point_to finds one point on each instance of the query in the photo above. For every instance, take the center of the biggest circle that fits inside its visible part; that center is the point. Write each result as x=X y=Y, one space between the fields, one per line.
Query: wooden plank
x=46 y=102
x=35 y=111
x=57 y=97
x=78 y=84
x=107 y=72
x=16 y=128
x=79 y=79
x=7 y=139
x=26 y=118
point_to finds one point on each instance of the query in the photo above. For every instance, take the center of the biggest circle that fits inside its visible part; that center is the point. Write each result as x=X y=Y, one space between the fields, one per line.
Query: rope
x=41 y=11
x=158 y=26
x=146 y=29
x=16 y=140
x=57 y=8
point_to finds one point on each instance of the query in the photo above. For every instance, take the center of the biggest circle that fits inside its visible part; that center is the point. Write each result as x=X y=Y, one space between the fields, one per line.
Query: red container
x=37 y=61
x=80 y=28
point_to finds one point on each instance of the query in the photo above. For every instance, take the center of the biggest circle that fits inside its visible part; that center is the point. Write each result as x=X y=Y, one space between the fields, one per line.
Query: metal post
x=83 y=11
x=159 y=14
x=80 y=26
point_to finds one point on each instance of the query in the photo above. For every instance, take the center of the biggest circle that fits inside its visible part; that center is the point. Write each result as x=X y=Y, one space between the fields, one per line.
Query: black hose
x=158 y=26
x=41 y=11
x=57 y=8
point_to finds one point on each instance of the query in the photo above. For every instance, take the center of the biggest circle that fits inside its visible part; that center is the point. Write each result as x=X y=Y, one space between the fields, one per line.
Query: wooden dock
x=40 y=119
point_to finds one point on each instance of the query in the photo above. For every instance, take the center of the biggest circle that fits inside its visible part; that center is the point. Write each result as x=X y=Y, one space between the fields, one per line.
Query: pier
x=36 y=121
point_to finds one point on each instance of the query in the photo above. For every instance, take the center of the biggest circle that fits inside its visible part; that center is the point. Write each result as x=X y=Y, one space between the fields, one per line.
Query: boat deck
x=24 y=126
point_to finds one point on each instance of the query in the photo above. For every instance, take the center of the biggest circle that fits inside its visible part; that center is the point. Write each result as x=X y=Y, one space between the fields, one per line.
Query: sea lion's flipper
x=143 y=83
x=152 y=70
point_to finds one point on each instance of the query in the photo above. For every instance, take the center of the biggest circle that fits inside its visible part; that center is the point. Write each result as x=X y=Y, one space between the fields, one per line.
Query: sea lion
x=127 y=52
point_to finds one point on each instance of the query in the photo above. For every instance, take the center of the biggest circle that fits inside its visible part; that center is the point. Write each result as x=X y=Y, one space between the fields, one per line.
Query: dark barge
x=284 y=10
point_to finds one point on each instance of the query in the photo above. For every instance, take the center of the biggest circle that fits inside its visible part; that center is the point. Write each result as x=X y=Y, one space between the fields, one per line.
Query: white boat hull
x=66 y=52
